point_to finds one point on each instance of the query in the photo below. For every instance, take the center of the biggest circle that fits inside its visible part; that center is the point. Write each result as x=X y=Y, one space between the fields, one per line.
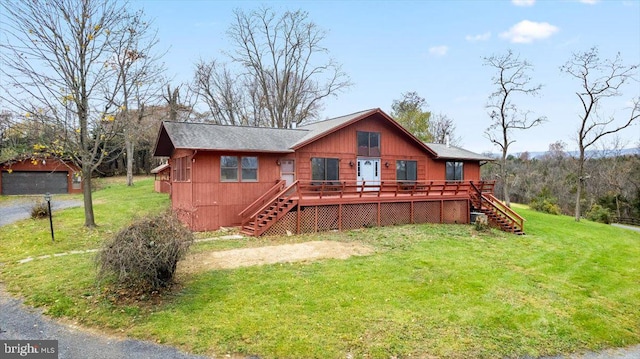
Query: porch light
x=351 y=163
x=278 y=162
x=386 y=164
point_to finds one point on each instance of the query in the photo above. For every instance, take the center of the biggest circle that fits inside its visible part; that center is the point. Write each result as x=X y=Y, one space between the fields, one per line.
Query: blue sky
x=435 y=48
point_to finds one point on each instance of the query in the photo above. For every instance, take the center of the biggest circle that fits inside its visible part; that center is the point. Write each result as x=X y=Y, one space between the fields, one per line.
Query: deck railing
x=310 y=190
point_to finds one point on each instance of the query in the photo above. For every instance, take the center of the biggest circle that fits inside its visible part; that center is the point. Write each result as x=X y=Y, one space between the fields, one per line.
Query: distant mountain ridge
x=588 y=154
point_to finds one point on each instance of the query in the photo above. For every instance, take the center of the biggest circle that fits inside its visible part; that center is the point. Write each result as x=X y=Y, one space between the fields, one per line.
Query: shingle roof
x=202 y=136
x=231 y=138
x=452 y=152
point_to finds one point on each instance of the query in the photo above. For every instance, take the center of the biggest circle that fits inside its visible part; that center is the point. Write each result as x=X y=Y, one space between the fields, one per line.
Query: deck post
x=412 y=220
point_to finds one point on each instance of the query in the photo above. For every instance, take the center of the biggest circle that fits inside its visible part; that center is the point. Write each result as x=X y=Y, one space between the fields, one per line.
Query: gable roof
x=203 y=136
x=456 y=153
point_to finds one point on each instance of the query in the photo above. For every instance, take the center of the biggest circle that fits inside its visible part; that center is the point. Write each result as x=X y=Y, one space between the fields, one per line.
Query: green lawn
x=429 y=290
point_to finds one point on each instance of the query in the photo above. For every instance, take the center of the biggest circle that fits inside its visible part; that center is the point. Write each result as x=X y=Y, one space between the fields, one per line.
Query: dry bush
x=145 y=254
x=39 y=210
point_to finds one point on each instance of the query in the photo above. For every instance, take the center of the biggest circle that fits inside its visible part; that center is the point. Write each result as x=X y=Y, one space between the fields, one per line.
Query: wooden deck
x=448 y=196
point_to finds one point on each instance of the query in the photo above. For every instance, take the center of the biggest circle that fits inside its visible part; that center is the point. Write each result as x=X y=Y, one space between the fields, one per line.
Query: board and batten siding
x=342 y=144
x=206 y=203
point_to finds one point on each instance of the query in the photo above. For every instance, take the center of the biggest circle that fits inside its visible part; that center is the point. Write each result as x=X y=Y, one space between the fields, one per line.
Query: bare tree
x=139 y=76
x=599 y=79
x=177 y=108
x=443 y=130
x=55 y=67
x=217 y=86
x=286 y=71
x=511 y=80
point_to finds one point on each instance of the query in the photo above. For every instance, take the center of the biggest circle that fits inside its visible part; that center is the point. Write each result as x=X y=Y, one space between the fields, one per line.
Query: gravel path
x=18 y=322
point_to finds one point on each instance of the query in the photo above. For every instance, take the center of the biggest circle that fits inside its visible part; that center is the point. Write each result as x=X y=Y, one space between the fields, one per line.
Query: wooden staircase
x=498 y=214
x=259 y=216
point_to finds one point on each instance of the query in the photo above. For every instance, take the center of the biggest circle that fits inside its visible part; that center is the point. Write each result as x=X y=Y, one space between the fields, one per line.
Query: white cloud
x=523 y=2
x=438 y=50
x=590 y=2
x=480 y=37
x=527 y=31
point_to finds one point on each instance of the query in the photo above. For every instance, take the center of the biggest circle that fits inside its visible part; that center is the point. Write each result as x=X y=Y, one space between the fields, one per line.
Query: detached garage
x=39 y=176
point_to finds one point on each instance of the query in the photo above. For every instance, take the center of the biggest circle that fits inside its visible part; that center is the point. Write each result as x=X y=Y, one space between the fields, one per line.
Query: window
x=454 y=171
x=231 y=168
x=182 y=169
x=368 y=144
x=228 y=168
x=324 y=169
x=406 y=170
x=249 y=169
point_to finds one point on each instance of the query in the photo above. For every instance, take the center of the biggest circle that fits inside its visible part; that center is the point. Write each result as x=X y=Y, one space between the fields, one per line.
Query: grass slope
x=429 y=290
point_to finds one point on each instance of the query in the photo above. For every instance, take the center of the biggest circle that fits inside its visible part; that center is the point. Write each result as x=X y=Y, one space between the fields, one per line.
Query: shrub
x=145 y=254
x=546 y=206
x=545 y=202
x=597 y=213
x=39 y=210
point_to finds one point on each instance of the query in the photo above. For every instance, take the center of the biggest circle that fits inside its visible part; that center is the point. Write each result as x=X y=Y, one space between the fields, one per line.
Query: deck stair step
x=497 y=213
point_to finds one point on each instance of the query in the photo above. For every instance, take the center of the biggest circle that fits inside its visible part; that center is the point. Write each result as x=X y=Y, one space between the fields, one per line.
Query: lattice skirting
x=312 y=219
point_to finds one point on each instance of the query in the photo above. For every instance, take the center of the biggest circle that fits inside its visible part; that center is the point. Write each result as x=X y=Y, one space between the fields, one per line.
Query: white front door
x=368 y=172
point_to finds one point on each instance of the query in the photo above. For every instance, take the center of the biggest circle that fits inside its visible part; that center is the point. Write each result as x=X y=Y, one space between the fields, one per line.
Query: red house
x=354 y=171
x=162 y=181
x=39 y=175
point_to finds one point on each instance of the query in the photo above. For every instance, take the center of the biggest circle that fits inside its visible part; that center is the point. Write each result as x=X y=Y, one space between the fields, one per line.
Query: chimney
x=294 y=125
x=446 y=140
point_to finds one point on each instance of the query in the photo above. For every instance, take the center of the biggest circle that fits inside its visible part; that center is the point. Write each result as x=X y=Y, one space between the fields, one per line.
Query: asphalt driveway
x=18 y=322
x=17 y=208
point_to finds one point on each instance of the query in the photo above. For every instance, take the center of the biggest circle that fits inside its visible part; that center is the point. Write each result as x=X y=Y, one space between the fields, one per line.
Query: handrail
x=507 y=209
x=503 y=209
x=273 y=198
x=269 y=193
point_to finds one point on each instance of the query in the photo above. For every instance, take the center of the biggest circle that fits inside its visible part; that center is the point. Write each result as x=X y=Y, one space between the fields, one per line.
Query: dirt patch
x=299 y=252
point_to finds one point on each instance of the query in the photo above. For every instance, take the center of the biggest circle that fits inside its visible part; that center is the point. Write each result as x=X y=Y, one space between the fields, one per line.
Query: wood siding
x=207 y=203
x=342 y=144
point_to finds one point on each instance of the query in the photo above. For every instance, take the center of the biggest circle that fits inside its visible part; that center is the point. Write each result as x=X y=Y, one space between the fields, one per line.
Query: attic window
x=368 y=144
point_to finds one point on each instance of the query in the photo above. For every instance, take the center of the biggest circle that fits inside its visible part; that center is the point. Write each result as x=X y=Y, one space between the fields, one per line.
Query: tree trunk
x=89 y=219
x=128 y=144
x=580 y=184
x=505 y=178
